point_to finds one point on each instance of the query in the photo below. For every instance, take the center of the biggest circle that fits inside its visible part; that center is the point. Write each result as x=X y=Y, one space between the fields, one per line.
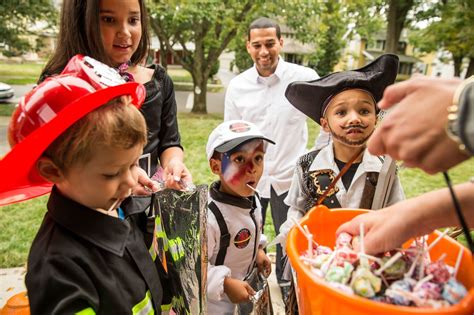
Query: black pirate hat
x=312 y=97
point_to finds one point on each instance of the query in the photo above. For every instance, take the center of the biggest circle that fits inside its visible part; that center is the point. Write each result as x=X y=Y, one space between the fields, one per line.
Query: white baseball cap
x=230 y=134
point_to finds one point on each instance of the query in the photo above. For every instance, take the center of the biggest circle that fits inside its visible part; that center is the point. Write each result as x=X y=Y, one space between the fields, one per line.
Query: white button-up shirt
x=262 y=100
x=349 y=198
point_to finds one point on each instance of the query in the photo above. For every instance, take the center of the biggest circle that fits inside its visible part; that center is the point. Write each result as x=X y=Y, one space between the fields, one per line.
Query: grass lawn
x=24 y=73
x=27 y=73
x=19 y=223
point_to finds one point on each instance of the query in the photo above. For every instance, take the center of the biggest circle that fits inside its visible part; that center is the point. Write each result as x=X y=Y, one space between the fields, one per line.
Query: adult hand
x=414 y=130
x=387 y=228
x=238 y=291
x=176 y=175
x=145 y=184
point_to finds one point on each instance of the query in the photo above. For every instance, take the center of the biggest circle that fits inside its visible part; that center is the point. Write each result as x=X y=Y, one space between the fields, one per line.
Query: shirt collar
x=241 y=202
x=279 y=71
x=106 y=232
x=325 y=160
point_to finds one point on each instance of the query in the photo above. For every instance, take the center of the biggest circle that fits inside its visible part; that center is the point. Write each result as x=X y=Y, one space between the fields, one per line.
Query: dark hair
x=79 y=34
x=264 y=22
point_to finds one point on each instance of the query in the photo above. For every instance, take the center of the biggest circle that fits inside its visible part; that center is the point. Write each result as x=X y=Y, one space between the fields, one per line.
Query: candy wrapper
x=260 y=303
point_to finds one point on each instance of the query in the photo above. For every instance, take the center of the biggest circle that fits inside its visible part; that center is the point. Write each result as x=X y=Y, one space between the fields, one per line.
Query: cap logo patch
x=239 y=127
x=242 y=238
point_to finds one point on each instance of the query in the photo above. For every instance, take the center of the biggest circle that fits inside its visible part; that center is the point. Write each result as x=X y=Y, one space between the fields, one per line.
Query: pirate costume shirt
x=308 y=184
x=317 y=169
x=82 y=260
x=233 y=254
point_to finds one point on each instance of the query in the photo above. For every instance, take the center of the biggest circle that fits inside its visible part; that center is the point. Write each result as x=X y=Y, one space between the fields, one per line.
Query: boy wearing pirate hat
x=82 y=131
x=235 y=150
x=344 y=104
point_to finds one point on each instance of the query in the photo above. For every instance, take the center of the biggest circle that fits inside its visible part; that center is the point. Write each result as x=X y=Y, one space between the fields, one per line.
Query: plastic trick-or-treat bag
x=260 y=303
x=175 y=232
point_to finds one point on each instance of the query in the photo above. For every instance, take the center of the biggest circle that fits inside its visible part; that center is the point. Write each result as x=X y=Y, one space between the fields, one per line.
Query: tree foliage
x=208 y=26
x=18 y=18
x=450 y=24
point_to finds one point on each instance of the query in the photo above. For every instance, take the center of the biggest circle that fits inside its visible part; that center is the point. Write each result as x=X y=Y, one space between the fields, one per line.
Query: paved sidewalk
x=11 y=283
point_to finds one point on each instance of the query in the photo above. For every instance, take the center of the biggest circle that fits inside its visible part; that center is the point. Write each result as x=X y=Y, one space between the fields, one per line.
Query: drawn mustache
x=354 y=127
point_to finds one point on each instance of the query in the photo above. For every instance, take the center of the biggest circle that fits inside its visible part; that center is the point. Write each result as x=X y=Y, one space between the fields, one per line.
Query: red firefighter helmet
x=47 y=111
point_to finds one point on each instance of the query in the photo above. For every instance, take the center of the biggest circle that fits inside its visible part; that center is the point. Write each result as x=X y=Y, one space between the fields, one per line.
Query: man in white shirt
x=258 y=95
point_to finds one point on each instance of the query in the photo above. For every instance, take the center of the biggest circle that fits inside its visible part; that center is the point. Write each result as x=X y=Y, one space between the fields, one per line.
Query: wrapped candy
x=344 y=240
x=439 y=271
x=339 y=274
x=345 y=254
x=365 y=283
x=428 y=291
x=394 y=292
x=320 y=260
x=342 y=287
x=453 y=291
x=396 y=270
x=323 y=250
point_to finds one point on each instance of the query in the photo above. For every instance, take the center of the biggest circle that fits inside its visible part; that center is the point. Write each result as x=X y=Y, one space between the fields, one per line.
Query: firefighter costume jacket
x=83 y=261
x=243 y=219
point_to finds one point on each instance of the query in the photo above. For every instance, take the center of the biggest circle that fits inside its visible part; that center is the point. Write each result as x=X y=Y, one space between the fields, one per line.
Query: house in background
x=359 y=52
x=155 y=48
x=293 y=50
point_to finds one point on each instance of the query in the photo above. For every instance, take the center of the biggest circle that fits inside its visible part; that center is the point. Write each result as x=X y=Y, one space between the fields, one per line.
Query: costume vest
x=316 y=182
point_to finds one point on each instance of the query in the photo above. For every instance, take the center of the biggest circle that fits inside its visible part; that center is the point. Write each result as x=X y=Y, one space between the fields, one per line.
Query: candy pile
x=403 y=277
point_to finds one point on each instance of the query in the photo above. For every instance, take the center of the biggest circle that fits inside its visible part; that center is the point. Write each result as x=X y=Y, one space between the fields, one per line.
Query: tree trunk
x=200 y=94
x=397 y=13
x=163 y=57
x=457 y=65
x=470 y=68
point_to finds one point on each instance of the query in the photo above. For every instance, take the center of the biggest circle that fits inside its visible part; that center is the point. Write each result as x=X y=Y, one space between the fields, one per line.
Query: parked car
x=6 y=91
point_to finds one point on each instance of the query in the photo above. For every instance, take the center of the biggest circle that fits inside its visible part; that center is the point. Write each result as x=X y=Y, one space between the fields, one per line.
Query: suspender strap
x=369 y=190
x=225 y=236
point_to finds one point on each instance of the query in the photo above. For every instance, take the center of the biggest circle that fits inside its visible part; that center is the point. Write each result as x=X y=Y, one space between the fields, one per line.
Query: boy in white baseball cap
x=235 y=151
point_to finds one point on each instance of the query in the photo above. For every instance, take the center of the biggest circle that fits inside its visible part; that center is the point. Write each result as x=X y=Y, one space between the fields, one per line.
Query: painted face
x=350 y=117
x=109 y=176
x=120 y=27
x=264 y=48
x=241 y=167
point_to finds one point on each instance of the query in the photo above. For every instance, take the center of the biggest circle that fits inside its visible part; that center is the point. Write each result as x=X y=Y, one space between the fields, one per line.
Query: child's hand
x=145 y=185
x=238 y=291
x=263 y=263
x=177 y=175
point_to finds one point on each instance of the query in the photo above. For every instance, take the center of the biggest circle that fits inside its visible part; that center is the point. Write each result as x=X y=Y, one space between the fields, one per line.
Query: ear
x=215 y=166
x=49 y=170
x=281 y=41
x=324 y=124
x=248 y=46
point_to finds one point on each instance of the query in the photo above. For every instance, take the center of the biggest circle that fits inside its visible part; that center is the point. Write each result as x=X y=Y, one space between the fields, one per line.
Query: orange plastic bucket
x=317 y=297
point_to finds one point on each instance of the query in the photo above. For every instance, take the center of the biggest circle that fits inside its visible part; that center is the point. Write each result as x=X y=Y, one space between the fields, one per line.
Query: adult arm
x=170 y=151
x=390 y=227
x=414 y=131
x=230 y=110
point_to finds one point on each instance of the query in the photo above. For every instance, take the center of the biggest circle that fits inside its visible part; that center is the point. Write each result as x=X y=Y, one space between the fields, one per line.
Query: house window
x=294 y=58
x=378 y=45
x=401 y=47
x=405 y=68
